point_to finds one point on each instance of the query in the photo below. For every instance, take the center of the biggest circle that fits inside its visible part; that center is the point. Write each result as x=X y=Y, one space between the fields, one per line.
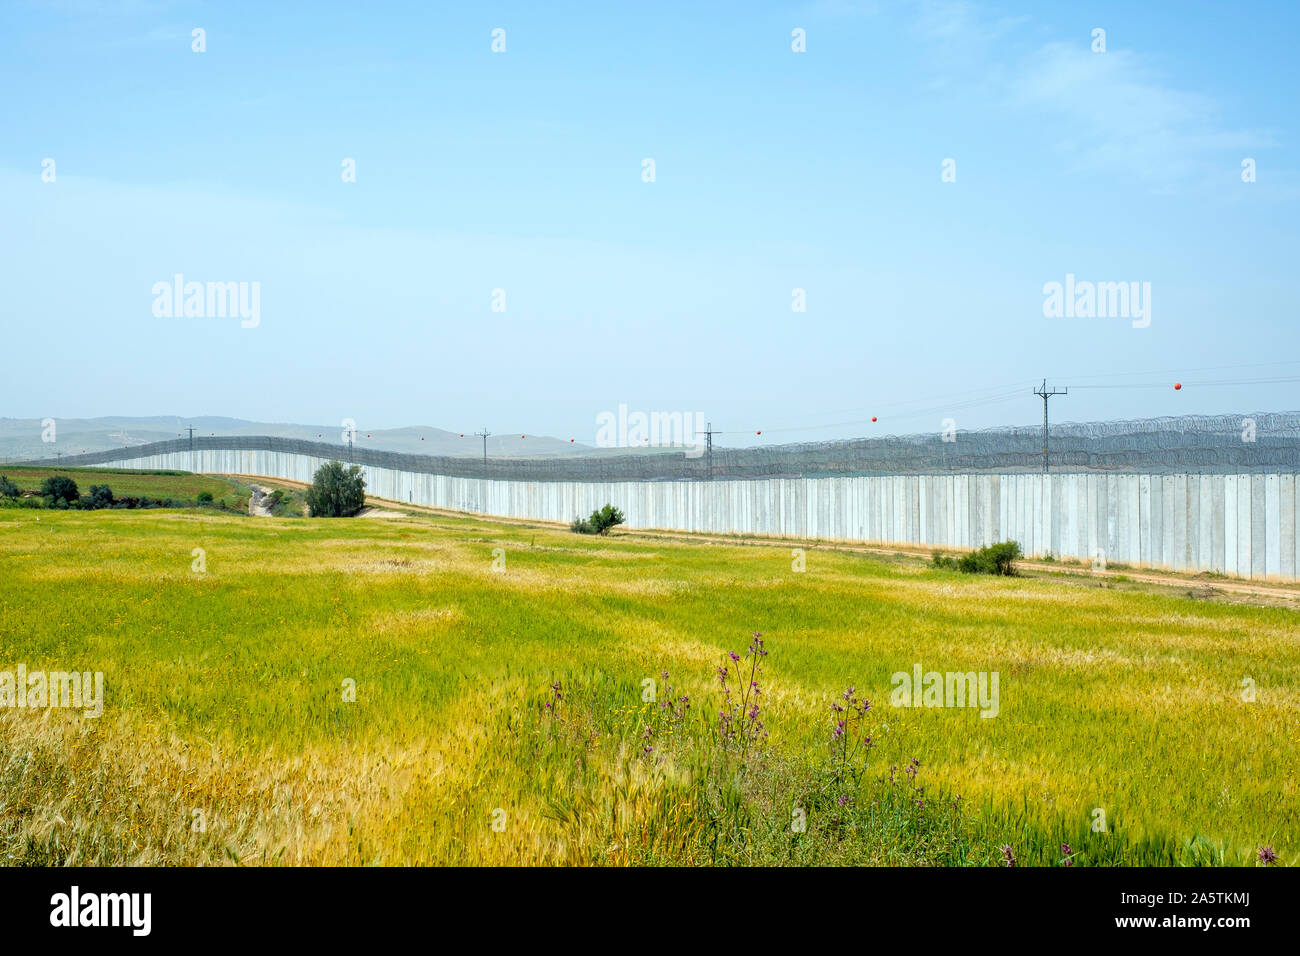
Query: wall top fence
x=1223 y=444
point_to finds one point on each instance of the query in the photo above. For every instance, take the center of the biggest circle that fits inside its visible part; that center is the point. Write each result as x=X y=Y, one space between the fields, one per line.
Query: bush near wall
x=997 y=558
x=601 y=520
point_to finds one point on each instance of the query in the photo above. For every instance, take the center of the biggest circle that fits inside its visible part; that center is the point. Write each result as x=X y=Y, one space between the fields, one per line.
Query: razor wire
x=1208 y=444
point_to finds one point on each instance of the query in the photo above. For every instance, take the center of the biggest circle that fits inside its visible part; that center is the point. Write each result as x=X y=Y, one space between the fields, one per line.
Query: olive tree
x=336 y=492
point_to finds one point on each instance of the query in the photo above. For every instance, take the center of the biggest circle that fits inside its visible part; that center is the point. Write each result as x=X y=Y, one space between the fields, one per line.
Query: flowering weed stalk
x=551 y=707
x=850 y=743
x=740 y=725
x=667 y=719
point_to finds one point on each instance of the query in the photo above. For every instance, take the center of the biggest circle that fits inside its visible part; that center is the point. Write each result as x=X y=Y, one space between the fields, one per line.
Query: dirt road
x=258 y=505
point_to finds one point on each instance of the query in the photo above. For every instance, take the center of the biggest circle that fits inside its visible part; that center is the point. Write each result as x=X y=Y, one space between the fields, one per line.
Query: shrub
x=60 y=488
x=997 y=558
x=336 y=492
x=601 y=520
x=100 y=496
x=604 y=519
x=285 y=504
x=204 y=498
x=7 y=488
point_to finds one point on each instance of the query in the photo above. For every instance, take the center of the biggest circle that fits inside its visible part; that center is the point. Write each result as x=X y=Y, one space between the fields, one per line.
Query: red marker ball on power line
x=1178 y=386
x=758 y=433
x=873 y=418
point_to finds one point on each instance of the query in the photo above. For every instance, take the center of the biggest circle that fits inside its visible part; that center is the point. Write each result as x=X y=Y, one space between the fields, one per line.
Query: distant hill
x=21 y=438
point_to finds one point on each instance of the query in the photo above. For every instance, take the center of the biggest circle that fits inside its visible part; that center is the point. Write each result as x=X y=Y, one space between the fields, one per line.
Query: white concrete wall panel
x=1244 y=525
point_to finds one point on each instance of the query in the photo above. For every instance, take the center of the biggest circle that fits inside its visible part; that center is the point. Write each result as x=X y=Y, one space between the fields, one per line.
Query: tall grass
x=227 y=734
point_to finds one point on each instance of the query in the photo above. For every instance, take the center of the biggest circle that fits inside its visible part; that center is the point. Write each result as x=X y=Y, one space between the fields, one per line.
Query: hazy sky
x=523 y=171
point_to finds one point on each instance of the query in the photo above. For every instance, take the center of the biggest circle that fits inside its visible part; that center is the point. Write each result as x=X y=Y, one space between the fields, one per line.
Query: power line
x=1212 y=384
x=949 y=406
x=995 y=399
x=929 y=398
x=1183 y=371
x=998 y=394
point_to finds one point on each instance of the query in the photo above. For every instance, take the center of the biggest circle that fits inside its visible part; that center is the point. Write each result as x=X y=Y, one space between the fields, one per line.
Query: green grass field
x=130 y=483
x=227 y=735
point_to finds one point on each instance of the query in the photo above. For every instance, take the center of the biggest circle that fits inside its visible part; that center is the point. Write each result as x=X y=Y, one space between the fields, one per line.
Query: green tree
x=606 y=518
x=601 y=520
x=7 y=488
x=336 y=492
x=60 y=488
x=101 y=496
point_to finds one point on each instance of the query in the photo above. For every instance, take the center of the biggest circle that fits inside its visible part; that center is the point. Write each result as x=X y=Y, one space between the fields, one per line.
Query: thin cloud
x=1122 y=116
x=1111 y=113
x=961 y=42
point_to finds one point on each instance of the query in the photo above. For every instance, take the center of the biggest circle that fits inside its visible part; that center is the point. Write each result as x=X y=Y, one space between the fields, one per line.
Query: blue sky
x=522 y=171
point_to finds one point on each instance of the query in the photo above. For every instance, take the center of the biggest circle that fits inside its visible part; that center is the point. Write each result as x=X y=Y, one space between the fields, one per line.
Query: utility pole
x=1045 y=395
x=484 y=435
x=708 y=448
x=483 y=493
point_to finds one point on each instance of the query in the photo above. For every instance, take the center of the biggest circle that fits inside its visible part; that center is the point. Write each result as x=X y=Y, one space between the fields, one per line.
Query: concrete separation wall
x=1243 y=525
